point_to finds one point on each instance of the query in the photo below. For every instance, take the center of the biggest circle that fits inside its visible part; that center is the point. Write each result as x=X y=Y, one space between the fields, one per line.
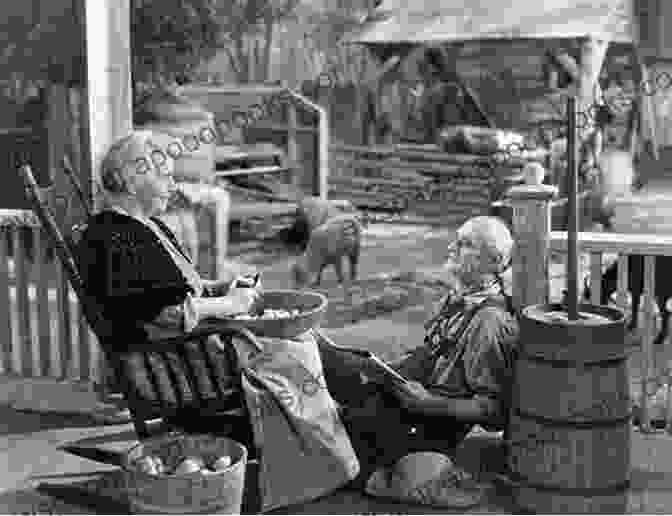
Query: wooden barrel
x=569 y=435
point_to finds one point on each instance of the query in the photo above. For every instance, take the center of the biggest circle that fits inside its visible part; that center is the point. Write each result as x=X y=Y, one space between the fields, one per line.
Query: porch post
x=107 y=104
x=108 y=77
x=531 y=229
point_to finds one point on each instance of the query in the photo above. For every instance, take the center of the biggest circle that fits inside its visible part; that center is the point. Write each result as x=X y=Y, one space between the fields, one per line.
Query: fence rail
x=42 y=330
x=420 y=180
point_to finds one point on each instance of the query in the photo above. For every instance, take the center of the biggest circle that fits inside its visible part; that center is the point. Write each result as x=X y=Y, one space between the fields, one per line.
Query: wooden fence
x=421 y=180
x=42 y=331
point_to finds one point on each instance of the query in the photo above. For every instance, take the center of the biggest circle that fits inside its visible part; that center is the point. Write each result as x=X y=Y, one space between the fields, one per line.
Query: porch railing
x=42 y=331
x=531 y=273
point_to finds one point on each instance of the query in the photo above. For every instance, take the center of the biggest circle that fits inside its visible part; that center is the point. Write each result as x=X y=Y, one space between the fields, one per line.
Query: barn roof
x=433 y=21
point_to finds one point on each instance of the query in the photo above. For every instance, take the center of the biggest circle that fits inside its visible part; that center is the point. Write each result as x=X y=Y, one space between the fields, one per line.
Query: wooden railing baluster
x=24 y=355
x=595 y=278
x=83 y=343
x=668 y=408
x=67 y=362
x=623 y=298
x=5 y=300
x=647 y=309
x=42 y=275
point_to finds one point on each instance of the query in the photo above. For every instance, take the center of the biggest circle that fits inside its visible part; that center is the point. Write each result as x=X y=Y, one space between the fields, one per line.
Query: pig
x=337 y=238
x=311 y=213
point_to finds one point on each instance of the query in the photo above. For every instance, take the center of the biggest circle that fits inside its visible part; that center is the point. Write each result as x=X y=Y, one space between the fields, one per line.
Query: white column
x=109 y=94
x=108 y=73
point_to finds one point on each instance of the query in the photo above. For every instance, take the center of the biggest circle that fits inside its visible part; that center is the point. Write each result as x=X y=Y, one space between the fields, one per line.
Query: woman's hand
x=221 y=288
x=411 y=395
x=218 y=288
x=237 y=301
x=243 y=299
x=248 y=280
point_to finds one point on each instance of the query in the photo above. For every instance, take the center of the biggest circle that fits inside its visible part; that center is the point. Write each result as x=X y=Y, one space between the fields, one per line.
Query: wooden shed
x=499 y=50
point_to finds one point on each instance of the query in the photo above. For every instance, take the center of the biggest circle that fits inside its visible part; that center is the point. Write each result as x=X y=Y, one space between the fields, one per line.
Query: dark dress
x=127 y=269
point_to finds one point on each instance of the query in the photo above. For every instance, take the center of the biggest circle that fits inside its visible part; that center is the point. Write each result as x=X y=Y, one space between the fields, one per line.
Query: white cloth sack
x=305 y=450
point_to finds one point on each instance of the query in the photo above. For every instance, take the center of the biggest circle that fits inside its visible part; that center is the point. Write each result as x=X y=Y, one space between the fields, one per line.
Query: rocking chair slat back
x=22 y=299
x=92 y=312
x=67 y=167
x=41 y=273
x=5 y=300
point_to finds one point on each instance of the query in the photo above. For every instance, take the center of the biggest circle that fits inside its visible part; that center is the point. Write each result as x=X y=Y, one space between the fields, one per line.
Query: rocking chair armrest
x=204 y=329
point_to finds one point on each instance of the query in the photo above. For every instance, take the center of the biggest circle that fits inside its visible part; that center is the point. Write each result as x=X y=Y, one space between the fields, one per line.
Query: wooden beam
x=108 y=76
x=105 y=107
x=593 y=52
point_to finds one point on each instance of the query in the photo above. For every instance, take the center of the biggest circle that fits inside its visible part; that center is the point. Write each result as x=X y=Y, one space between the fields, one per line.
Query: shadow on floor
x=107 y=448
x=27 y=422
x=103 y=492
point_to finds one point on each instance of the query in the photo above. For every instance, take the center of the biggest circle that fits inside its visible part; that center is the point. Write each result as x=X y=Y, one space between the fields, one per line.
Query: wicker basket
x=312 y=308
x=220 y=492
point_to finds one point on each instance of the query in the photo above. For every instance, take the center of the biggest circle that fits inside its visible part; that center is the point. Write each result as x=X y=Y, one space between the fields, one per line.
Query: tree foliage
x=249 y=26
x=169 y=38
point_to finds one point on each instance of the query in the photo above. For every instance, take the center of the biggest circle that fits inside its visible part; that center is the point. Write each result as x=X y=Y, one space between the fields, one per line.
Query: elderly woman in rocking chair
x=147 y=286
x=162 y=289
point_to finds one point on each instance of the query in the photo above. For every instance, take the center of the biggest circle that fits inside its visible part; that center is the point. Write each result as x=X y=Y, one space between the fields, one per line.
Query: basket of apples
x=182 y=474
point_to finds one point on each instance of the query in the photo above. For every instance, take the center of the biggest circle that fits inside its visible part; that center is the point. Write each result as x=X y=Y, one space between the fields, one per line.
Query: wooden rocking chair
x=191 y=382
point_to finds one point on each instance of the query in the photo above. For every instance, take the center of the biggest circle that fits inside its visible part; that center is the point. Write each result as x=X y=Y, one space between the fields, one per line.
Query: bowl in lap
x=283 y=314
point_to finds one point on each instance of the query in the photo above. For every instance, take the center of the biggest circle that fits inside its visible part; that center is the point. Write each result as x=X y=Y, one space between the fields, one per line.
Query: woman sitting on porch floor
x=461 y=376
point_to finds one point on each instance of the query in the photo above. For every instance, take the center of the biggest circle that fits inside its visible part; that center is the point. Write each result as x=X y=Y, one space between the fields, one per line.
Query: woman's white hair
x=119 y=166
x=492 y=235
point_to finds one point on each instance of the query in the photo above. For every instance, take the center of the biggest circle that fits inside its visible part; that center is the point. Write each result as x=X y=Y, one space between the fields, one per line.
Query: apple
x=147 y=465
x=188 y=465
x=221 y=463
